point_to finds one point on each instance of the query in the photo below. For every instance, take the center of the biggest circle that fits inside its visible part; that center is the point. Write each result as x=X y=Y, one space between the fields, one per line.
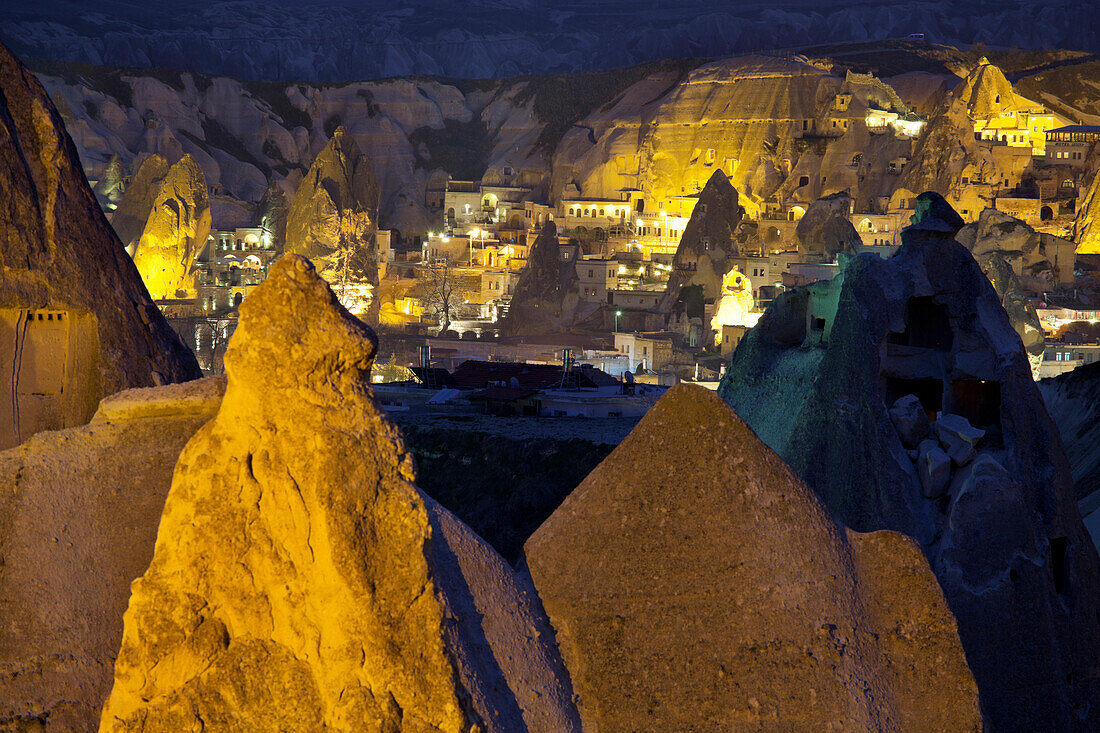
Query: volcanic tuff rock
x=1073 y=401
x=814 y=380
x=111 y=184
x=708 y=242
x=301 y=581
x=79 y=510
x=1086 y=226
x=334 y=217
x=271 y=215
x=825 y=229
x=94 y=331
x=695 y=583
x=136 y=205
x=546 y=294
x=175 y=233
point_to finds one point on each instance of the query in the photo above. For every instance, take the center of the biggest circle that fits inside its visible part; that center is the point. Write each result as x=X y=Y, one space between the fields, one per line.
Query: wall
x=49 y=371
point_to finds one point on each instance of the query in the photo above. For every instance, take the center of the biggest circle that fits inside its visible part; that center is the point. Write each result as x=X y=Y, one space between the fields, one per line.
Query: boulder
x=301 y=581
x=957 y=436
x=333 y=220
x=79 y=510
x=910 y=420
x=76 y=323
x=928 y=322
x=693 y=577
x=175 y=233
x=826 y=230
x=933 y=468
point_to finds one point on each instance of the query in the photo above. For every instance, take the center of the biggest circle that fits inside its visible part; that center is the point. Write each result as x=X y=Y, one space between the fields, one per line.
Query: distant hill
x=341 y=40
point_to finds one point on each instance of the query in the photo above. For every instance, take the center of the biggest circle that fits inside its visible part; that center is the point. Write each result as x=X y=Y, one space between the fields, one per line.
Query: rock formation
x=825 y=230
x=1086 y=225
x=175 y=233
x=111 y=185
x=546 y=294
x=333 y=219
x=271 y=215
x=136 y=205
x=1001 y=530
x=708 y=242
x=1073 y=401
x=79 y=510
x=301 y=581
x=694 y=582
x=76 y=324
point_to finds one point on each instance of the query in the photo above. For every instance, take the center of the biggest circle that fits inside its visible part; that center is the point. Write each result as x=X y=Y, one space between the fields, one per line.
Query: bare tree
x=443 y=294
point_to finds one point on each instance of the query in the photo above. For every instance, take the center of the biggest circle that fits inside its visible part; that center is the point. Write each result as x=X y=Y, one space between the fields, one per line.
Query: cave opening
x=978 y=400
x=927 y=326
x=928 y=391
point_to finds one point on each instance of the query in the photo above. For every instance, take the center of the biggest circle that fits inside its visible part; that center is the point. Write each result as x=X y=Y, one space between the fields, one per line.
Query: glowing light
x=641 y=223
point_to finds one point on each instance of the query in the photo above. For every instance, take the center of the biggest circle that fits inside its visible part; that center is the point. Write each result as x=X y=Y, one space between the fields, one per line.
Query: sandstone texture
x=1086 y=225
x=695 y=583
x=95 y=330
x=301 y=581
x=175 y=233
x=1012 y=556
x=825 y=230
x=547 y=293
x=136 y=205
x=79 y=510
x=333 y=219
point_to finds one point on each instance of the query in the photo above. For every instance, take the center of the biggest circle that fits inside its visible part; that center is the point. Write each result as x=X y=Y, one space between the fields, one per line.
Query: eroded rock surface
x=695 y=583
x=708 y=242
x=333 y=219
x=826 y=230
x=177 y=230
x=547 y=293
x=301 y=581
x=928 y=323
x=76 y=323
x=136 y=205
x=79 y=510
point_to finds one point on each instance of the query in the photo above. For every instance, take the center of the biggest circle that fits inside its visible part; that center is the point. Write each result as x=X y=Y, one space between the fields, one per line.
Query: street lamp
x=617 y=314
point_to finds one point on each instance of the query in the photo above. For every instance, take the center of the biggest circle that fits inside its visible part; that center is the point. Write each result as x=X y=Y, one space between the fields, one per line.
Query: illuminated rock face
x=301 y=581
x=1086 y=226
x=76 y=324
x=546 y=296
x=1003 y=247
x=133 y=211
x=177 y=229
x=333 y=219
x=735 y=303
x=815 y=380
x=80 y=509
x=693 y=580
x=826 y=229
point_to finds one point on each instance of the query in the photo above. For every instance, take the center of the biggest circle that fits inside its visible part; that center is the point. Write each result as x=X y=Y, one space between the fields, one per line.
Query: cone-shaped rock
x=695 y=583
x=708 y=241
x=76 y=323
x=816 y=379
x=271 y=215
x=546 y=294
x=176 y=231
x=826 y=230
x=133 y=211
x=333 y=220
x=301 y=581
x=985 y=91
x=80 y=509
